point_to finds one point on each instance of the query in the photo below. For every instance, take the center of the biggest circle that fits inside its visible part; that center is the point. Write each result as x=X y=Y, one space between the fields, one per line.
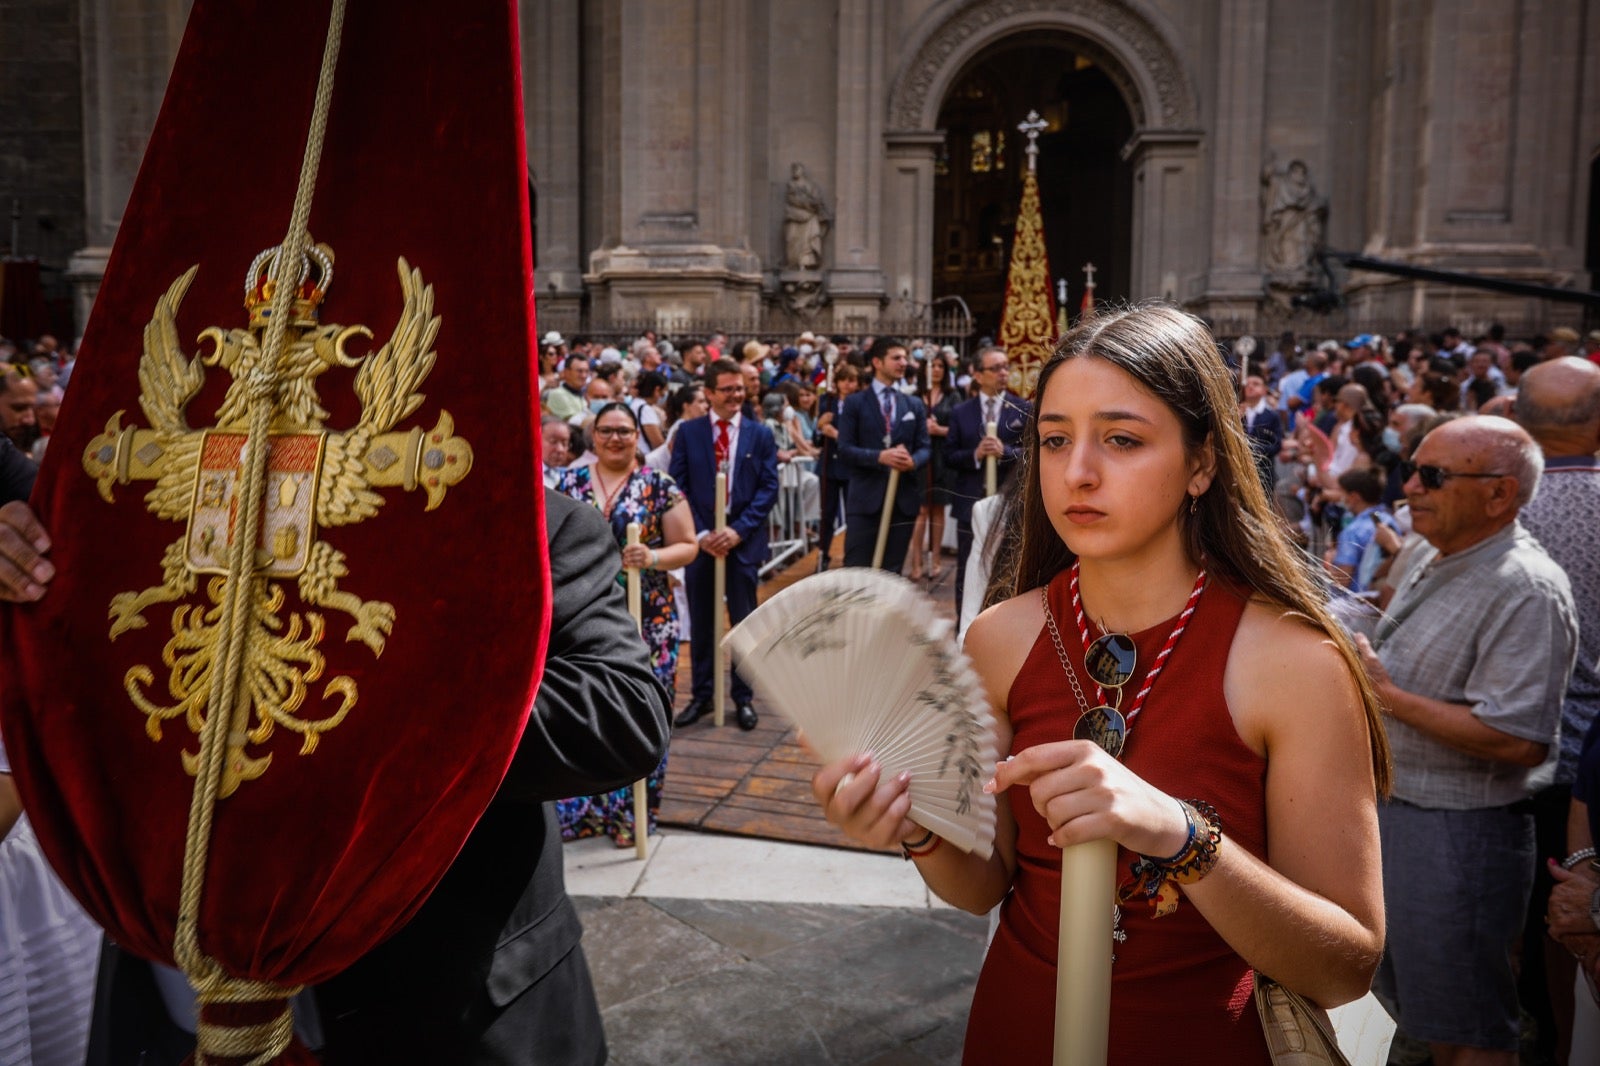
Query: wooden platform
x=757 y=783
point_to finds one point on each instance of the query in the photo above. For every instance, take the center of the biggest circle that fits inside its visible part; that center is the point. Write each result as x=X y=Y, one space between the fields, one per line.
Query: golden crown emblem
x=261 y=284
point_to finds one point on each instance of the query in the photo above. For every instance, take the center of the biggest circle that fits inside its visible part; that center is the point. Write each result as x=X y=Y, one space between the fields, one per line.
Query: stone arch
x=1118 y=35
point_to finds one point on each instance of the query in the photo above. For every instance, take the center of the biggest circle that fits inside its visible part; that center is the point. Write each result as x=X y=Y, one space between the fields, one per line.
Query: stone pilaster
x=128 y=50
x=1166 y=257
x=908 y=222
x=1233 y=280
x=856 y=281
x=682 y=250
x=1465 y=90
x=551 y=47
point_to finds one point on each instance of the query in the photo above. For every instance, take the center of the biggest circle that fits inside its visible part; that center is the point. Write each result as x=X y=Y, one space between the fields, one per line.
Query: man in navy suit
x=882 y=429
x=726 y=440
x=1264 y=428
x=969 y=444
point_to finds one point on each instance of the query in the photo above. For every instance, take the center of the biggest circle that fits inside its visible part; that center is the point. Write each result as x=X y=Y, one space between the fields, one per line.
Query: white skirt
x=49 y=950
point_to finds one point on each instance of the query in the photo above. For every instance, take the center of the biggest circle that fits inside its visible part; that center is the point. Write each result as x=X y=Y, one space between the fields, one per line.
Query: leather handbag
x=1298 y=1031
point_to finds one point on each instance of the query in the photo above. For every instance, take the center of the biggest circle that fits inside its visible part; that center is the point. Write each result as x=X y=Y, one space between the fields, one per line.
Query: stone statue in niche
x=1294 y=217
x=805 y=221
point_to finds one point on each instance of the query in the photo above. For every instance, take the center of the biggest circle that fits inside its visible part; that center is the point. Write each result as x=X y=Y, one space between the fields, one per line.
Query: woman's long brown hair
x=1172 y=355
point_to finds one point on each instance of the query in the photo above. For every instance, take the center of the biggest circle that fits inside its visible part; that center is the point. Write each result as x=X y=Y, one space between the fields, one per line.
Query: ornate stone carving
x=802 y=291
x=1173 y=106
x=805 y=221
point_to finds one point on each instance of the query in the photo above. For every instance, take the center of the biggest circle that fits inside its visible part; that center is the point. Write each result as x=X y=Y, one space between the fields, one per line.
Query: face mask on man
x=595 y=405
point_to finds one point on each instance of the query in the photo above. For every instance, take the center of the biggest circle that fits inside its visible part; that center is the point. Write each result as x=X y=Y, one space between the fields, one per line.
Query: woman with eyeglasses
x=1166 y=675
x=627 y=491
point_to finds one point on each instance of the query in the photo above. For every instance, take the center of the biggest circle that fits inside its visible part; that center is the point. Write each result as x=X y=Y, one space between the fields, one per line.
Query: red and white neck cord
x=1161 y=657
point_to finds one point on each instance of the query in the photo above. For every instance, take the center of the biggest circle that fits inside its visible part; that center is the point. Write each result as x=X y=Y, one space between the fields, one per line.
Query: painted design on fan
x=818 y=631
x=966 y=741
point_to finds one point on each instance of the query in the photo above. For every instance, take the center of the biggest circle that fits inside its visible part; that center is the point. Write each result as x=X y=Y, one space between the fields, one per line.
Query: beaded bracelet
x=1153 y=878
x=1571 y=861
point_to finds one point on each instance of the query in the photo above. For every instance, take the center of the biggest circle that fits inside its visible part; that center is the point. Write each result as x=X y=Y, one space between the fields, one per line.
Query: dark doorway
x=1085 y=187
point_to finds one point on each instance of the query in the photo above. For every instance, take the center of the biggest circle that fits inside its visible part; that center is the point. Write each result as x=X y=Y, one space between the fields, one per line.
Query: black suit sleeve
x=601 y=719
x=17 y=472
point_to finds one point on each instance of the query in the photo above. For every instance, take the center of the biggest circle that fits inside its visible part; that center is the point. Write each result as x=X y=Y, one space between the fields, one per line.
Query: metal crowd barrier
x=786 y=525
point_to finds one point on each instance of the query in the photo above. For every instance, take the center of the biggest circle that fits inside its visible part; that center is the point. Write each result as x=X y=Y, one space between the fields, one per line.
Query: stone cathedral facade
x=837 y=164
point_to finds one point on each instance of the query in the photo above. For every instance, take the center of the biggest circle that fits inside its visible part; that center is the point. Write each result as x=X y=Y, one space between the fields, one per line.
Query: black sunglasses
x=1434 y=477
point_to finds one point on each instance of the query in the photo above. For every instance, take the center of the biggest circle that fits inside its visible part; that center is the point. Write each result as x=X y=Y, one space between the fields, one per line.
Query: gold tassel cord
x=227 y=707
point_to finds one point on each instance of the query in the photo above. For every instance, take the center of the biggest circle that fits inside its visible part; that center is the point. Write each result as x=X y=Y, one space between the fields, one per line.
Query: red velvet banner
x=401 y=632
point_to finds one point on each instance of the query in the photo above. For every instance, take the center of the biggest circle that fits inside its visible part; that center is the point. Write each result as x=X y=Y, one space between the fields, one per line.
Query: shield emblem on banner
x=289 y=523
x=372 y=653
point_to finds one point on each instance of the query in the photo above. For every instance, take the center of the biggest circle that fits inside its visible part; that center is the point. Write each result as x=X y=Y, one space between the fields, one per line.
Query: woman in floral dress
x=627 y=491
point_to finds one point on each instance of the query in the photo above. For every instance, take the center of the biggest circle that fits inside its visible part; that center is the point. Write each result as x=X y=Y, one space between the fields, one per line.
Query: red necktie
x=722 y=443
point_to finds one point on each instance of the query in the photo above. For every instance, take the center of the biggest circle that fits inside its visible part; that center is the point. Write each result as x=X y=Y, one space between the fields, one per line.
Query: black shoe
x=746 y=716
x=696 y=710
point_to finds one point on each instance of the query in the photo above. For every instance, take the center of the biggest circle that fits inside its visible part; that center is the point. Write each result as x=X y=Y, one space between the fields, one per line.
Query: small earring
x=1194 y=505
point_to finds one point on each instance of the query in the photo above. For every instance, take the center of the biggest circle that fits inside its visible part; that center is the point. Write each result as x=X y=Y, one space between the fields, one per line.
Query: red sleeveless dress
x=1178 y=992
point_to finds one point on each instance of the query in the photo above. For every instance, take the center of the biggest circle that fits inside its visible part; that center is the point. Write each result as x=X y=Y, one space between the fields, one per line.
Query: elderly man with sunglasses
x=1471 y=662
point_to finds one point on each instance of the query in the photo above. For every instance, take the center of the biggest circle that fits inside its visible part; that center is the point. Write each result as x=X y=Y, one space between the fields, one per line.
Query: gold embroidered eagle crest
x=317 y=479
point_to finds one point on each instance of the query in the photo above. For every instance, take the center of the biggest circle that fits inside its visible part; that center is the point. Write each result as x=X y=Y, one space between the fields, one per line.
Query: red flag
x=398 y=607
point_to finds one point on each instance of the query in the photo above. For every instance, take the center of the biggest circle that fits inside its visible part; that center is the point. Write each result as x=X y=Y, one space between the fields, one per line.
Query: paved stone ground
x=727 y=983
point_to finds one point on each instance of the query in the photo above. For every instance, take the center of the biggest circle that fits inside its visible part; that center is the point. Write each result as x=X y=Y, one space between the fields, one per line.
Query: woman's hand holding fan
x=860 y=661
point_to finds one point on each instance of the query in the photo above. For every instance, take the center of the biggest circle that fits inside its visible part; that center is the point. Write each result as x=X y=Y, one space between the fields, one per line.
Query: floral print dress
x=646 y=498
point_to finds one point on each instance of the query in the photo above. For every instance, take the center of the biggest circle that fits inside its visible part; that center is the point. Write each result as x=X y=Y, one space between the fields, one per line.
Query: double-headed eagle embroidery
x=316 y=479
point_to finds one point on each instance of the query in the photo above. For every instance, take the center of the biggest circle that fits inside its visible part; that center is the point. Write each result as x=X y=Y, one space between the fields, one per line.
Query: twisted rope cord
x=1161 y=657
x=227 y=706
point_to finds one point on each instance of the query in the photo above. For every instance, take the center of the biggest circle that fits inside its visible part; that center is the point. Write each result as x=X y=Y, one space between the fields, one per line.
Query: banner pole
x=641 y=787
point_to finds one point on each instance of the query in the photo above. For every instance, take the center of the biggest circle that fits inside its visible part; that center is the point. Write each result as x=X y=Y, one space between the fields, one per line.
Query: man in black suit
x=1264 y=428
x=882 y=429
x=490 y=969
x=969 y=444
x=835 y=473
x=731 y=440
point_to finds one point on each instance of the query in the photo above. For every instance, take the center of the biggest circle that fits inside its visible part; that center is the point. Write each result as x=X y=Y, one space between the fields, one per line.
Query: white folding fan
x=860 y=661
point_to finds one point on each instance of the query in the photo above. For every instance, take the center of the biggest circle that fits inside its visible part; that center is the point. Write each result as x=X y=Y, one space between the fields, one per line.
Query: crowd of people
x=34 y=376
x=1439 y=486
x=1377 y=746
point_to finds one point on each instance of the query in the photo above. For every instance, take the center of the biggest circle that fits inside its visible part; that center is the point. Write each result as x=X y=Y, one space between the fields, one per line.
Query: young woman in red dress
x=1250 y=724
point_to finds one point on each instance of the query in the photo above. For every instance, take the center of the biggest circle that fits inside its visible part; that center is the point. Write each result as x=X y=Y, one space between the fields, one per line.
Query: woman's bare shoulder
x=999 y=640
x=1283 y=663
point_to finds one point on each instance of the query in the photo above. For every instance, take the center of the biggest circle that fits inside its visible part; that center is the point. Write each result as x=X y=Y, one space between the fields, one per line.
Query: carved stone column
x=128 y=50
x=1233 y=279
x=682 y=250
x=856 y=281
x=551 y=45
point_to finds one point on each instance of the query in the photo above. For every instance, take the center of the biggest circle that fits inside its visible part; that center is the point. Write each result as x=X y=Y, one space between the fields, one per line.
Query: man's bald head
x=1355 y=397
x=1559 y=404
x=1491 y=444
